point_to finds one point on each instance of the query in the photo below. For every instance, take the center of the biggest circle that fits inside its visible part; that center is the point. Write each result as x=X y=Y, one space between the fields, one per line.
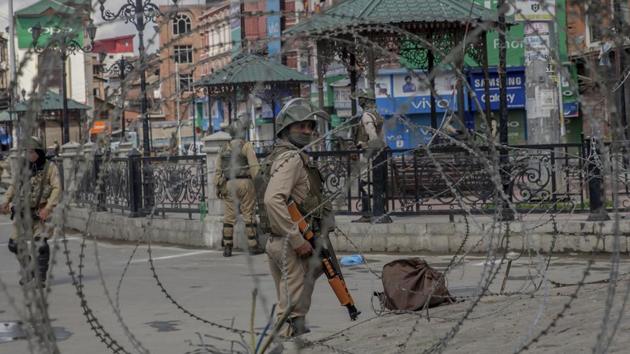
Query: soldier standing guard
x=45 y=193
x=368 y=135
x=235 y=169
x=290 y=177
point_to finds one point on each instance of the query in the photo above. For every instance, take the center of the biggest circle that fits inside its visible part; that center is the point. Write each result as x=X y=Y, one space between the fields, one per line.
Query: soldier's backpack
x=236 y=165
x=410 y=284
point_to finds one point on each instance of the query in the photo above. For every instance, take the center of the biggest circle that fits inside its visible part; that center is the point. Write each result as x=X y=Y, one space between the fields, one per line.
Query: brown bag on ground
x=409 y=283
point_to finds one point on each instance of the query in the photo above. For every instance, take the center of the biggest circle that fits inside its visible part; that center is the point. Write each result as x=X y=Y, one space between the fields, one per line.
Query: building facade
x=54 y=16
x=182 y=46
x=593 y=44
x=4 y=73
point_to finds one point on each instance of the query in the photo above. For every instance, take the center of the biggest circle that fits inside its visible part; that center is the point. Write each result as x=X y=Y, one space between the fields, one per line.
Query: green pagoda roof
x=52 y=101
x=251 y=69
x=353 y=13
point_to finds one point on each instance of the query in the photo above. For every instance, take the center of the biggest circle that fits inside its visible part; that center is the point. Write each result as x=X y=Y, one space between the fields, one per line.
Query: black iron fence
x=444 y=180
x=451 y=179
x=141 y=185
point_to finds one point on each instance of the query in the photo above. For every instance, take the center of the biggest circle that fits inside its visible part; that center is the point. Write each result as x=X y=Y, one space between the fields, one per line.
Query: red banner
x=122 y=44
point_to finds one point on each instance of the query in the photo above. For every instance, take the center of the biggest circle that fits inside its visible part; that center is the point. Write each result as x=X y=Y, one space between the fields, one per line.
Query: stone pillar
x=71 y=157
x=12 y=163
x=213 y=226
x=124 y=149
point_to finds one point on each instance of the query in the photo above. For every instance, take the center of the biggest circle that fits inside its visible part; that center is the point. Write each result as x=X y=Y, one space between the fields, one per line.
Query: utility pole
x=623 y=133
x=504 y=158
x=177 y=103
x=543 y=106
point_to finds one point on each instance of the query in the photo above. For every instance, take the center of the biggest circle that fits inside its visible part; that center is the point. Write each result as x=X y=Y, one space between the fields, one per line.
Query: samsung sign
x=515 y=89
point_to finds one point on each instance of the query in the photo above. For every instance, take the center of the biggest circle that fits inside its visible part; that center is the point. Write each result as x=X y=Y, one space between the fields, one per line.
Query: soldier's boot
x=252 y=242
x=228 y=239
x=29 y=275
x=298 y=326
x=43 y=258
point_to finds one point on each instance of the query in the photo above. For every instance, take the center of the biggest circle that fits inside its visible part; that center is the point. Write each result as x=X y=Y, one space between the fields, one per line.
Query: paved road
x=218 y=289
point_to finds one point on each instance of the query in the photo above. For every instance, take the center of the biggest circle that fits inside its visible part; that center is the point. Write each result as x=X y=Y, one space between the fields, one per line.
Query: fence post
x=596 y=192
x=213 y=222
x=69 y=165
x=135 y=183
x=100 y=193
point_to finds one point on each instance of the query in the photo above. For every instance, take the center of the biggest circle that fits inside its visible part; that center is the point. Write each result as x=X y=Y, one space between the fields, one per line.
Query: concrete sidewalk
x=437 y=234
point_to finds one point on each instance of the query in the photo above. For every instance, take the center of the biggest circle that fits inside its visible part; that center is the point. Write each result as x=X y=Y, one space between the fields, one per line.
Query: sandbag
x=409 y=283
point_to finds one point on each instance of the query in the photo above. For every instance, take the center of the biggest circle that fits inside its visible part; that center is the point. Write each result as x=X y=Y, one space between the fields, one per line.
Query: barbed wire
x=492 y=166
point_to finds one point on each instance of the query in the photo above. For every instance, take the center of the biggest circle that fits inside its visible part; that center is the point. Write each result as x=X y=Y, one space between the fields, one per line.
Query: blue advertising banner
x=235 y=26
x=217 y=115
x=570 y=109
x=273 y=30
x=409 y=133
x=515 y=88
x=405 y=93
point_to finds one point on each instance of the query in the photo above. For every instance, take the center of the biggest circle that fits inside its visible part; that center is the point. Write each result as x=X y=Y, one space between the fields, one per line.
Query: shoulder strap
x=42 y=183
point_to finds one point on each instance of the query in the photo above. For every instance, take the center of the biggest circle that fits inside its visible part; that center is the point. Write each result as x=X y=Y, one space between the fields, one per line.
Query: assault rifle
x=335 y=278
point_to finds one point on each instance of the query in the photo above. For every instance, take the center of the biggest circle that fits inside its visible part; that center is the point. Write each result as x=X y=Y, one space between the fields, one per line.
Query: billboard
x=51 y=25
x=274 y=45
x=409 y=93
x=235 y=26
x=533 y=10
x=515 y=88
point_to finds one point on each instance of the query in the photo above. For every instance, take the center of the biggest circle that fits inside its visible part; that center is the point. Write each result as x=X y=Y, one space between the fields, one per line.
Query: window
x=183 y=54
x=595 y=31
x=185 y=82
x=181 y=25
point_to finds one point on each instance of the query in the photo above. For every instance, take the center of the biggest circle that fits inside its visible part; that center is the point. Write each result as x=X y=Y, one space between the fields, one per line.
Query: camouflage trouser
x=300 y=277
x=241 y=198
x=23 y=252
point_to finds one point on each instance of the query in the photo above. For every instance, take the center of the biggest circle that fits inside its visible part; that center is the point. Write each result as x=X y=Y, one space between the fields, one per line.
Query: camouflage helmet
x=239 y=126
x=297 y=110
x=33 y=143
x=365 y=95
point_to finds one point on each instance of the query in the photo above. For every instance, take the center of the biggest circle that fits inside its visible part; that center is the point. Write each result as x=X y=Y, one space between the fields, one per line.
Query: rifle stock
x=335 y=278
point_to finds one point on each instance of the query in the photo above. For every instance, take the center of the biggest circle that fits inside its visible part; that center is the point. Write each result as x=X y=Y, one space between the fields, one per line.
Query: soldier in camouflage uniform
x=45 y=194
x=368 y=135
x=369 y=132
x=236 y=167
x=292 y=177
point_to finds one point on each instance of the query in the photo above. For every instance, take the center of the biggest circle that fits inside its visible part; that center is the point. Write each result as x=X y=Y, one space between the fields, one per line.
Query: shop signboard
x=515 y=89
x=51 y=25
x=235 y=26
x=273 y=30
x=409 y=93
x=532 y=10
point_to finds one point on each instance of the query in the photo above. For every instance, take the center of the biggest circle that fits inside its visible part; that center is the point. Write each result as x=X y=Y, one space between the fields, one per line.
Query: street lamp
x=120 y=68
x=65 y=44
x=139 y=13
